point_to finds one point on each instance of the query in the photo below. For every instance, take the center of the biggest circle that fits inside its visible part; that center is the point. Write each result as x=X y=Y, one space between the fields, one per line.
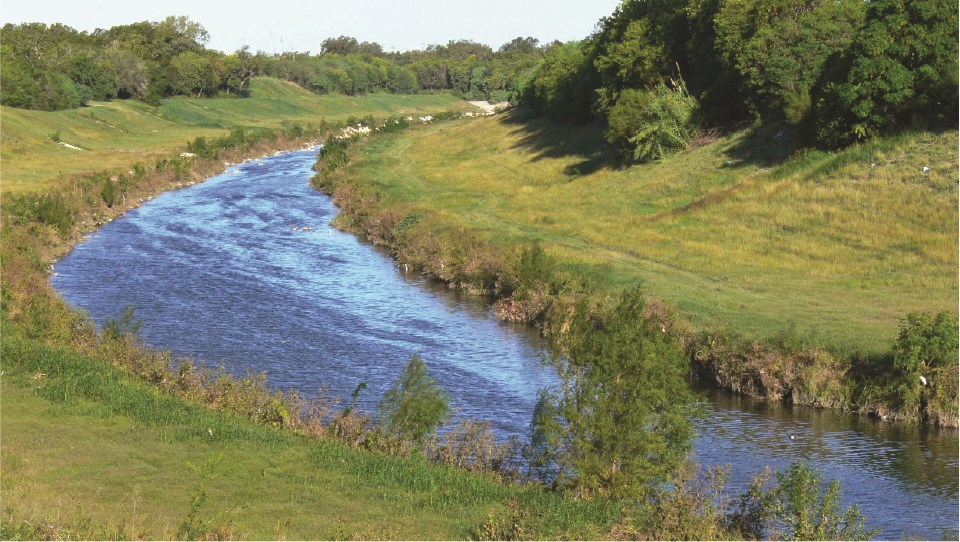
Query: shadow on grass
x=765 y=146
x=542 y=138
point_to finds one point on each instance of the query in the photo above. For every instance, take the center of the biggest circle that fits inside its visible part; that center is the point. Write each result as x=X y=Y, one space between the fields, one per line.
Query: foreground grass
x=741 y=231
x=118 y=134
x=89 y=453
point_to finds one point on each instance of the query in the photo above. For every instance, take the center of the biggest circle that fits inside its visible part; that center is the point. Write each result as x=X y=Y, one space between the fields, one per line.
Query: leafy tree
x=191 y=73
x=18 y=81
x=781 y=46
x=520 y=45
x=562 y=86
x=343 y=45
x=638 y=45
x=132 y=77
x=619 y=424
x=902 y=67
x=415 y=406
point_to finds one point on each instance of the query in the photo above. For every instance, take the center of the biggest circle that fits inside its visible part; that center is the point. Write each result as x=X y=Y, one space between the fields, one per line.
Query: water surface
x=225 y=272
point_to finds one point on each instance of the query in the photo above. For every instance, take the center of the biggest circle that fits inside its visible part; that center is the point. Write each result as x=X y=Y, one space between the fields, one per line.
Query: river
x=226 y=272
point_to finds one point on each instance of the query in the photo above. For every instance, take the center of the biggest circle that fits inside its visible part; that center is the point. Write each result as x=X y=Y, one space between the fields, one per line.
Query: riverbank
x=115 y=135
x=72 y=397
x=461 y=217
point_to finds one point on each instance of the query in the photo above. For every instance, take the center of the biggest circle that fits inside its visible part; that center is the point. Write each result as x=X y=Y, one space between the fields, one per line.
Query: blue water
x=224 y=272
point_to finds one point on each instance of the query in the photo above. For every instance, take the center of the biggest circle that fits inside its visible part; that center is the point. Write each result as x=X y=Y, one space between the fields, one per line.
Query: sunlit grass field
x=744 y=231
x=121 y=133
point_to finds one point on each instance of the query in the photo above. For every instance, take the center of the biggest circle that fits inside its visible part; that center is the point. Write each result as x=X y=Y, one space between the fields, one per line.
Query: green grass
x=742 y=231
x=121 y=133
x=89 y=453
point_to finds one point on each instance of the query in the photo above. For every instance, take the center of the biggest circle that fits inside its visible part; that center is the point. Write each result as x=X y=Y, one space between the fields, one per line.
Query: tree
x=344 y=45
x=620 y=422
x=520 y=45
x=415 y=406
x=191 y=73
x=901 y=68
x=781 y=46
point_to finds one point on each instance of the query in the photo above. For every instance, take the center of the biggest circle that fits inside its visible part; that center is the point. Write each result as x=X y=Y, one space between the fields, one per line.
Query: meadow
x=115 y=135
x=742 y=231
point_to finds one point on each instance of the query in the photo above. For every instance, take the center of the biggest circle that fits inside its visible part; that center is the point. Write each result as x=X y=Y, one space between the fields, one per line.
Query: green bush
x=619 y=423
x=925 y=344
x=49 y=209
x=667 y=124
x=415 y=406
x=626 y=117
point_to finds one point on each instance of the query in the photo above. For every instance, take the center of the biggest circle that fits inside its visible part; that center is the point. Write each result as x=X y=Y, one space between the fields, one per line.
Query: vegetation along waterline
x=784 y=175
x=665 y=84
x=408 y=193
x=57 y=362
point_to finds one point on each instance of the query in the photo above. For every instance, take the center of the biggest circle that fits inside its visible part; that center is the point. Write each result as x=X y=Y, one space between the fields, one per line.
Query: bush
x=926 y=344
x=626 y=117
x=49 y=209
x=806 y=511
x=668 y=123
x=415 y=406
x=619 y=423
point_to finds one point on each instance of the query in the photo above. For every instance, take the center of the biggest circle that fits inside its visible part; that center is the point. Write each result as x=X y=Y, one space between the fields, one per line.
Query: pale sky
x=301 y=25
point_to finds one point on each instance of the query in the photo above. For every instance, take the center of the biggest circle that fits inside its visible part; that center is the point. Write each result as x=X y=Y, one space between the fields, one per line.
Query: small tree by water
x=619 y=424
x=415 y=406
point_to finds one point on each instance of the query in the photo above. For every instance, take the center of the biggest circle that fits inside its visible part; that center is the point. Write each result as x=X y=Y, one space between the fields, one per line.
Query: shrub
x=925 y=344
x=667 y=124
x=49 y=209
x=415 y=406
x=619 y=423
x=626 y=116
x=806 y=511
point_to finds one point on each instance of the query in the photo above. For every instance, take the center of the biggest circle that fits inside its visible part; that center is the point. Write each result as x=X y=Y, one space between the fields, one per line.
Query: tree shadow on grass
x=765 y=146
x=543 y=139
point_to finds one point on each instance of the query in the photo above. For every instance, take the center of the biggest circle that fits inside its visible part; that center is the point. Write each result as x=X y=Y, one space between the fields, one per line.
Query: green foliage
x=780 y=48
x=126 y=325
x=619 y=424
x=900 y=69
x=560 y=86
x=925 y=344
x=667 y=124
x=49 y=209
x=415 y=406
x=625 y=118
x=804 y=510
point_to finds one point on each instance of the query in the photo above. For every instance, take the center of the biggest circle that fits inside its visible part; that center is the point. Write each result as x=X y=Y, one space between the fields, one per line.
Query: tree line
x=57 y=67
x=840 y=70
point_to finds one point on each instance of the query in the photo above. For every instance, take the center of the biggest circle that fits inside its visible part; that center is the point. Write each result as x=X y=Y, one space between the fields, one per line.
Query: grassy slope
x=733 y=232
x=89 y=454
x=120 y=133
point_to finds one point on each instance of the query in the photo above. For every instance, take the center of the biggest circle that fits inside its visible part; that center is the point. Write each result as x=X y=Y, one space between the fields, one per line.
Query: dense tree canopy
x=57 y=67
x=839 y=70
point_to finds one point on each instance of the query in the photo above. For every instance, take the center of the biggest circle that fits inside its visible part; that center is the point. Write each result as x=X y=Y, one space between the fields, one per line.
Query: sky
x=275 y=26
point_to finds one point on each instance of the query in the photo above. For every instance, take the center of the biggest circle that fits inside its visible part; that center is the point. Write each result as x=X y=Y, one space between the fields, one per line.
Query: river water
x=225 y=272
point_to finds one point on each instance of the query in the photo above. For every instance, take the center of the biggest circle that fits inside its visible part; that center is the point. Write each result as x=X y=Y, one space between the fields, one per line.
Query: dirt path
x=488 y=107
